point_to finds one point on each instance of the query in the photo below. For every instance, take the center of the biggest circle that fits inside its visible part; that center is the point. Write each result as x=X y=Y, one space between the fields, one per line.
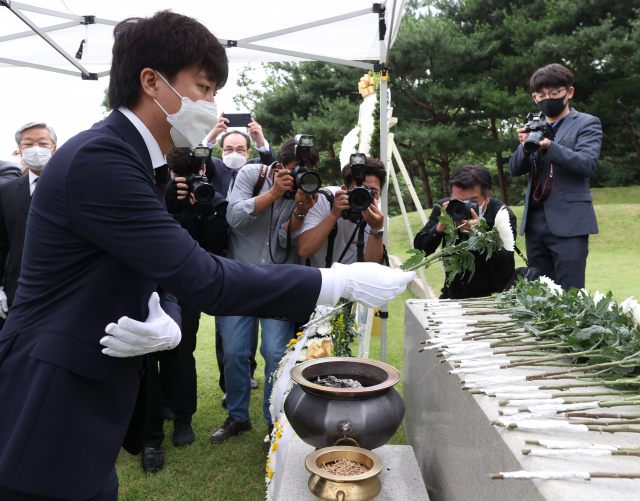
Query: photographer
x=264 y=226
x=236 y=149
x=558 y=213
x=473 y=183
x=327 y=237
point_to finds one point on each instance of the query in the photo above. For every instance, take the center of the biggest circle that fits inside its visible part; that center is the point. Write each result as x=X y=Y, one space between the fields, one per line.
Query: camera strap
x=522 y=255
x=360 y=245
x=262 y=177
x=545 y=190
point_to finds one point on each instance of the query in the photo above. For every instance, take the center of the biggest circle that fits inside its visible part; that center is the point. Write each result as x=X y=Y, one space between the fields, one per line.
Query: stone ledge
x=400 y=476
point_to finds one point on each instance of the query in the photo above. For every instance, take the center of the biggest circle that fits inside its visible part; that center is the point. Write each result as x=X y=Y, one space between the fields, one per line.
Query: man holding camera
x=330 y=232
x=471 y=184
x=559 y=155
x=265 y=215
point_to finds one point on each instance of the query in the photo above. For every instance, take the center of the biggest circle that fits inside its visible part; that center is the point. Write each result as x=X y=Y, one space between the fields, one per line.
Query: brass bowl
x=376 y=377
x=328 y=487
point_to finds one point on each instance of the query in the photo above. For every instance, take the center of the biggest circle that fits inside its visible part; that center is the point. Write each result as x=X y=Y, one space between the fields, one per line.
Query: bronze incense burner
x=366 y=417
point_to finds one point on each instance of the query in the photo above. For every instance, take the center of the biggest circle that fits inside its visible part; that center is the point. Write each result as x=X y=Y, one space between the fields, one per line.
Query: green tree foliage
x=306 y=98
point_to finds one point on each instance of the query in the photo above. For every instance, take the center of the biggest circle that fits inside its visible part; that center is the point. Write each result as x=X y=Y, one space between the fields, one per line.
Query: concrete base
x=400 y=476
x=457 y=447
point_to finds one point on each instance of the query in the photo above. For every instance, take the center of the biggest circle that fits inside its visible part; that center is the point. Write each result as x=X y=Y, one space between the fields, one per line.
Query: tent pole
x=31 y=33
x=384 y=157
x=39 y=67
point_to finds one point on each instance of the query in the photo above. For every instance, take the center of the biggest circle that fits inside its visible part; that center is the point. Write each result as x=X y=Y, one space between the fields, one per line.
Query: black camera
x=360 y=198
x=460 y=210
x=303 y=178
x=188 y=163
x=538 y=130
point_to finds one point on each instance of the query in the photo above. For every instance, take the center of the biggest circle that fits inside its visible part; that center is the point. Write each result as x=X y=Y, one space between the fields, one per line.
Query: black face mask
x=552 y=107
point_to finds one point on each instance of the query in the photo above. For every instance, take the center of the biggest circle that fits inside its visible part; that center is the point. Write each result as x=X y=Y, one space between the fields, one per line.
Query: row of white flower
x=297 y=347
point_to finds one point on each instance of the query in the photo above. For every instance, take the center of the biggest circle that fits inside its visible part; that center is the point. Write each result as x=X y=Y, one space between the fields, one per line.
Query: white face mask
x=192 y=122
x=36 y=157
x=483 y=207
x=235 y=161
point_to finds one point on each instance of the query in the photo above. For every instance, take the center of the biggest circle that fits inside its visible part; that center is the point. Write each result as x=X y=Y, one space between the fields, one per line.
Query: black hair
x=287 y=153
x=178 y=160
x=227 y=134
x=552 y=76
x=165 y=42
x=470 y=176
x=372 y=167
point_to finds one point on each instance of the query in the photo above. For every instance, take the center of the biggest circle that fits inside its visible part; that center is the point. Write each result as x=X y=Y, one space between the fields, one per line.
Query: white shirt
x=33 y=179
x=157 y=158
x=345 y=229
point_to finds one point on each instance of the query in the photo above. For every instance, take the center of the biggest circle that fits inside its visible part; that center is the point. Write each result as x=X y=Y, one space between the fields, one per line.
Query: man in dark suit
x=15 y=199
x=558 y=213
x=492 y=275
x=98 y=245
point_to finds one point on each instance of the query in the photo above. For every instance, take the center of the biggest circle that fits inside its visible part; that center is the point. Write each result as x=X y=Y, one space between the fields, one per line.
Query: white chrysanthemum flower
x=599 y=296
x=630 y=305
x=551 y=284
x=349 y=146
x=505 y=231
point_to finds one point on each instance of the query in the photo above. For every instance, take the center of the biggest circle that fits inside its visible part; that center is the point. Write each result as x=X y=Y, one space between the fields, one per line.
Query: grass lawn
x=234 y=471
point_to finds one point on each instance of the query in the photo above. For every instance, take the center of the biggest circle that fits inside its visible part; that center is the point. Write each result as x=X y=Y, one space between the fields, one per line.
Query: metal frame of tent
x=378 y=9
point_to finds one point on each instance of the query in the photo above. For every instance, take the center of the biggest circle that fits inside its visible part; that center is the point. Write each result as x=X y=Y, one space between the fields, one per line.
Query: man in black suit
x=492 y=275
x=558 y=208
x=99 y=244
x=15 y=199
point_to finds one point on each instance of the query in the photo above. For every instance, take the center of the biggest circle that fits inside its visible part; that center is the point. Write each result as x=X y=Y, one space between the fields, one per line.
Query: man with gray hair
x=37 y=142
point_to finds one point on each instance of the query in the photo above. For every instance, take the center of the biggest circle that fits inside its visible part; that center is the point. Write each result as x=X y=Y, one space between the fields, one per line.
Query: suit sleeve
x=7 y=173
x=268 y=157
x=583 y=159
x=4 y=240
x=116 y=209
x=428 y=239
x=519 y=163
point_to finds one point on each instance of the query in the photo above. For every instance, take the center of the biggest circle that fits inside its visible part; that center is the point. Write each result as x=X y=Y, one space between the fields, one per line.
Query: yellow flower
x=270 y=474
x=292 y=342
x=277 y=425
x=299 y=334
x=267 y=470
x=275 y=446
x=279 y=434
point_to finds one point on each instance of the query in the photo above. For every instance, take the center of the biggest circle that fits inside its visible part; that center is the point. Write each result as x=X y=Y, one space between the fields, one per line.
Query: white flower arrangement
x=349 y=146
x=630 y=305
x=556 y=289
x=366 y=122
x=316 y=333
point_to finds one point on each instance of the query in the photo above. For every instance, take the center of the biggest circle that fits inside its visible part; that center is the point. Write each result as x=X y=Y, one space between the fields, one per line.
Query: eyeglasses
x=554 y=94
x=242 y=151
x=31 y=144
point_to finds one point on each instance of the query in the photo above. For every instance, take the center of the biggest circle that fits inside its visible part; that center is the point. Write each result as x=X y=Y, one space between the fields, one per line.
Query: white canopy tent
x=76 y=38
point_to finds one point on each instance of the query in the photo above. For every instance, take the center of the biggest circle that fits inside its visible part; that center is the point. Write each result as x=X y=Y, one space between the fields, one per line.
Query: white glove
x=369 y=284
x=4 y=303
x=130 y=338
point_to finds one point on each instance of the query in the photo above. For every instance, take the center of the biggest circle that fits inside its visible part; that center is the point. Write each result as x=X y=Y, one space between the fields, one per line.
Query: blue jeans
x=237 y=336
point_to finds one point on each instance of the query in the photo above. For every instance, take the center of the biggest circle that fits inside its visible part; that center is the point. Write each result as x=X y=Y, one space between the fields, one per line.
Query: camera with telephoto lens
x=189 y=163
x=303 y=178
x=538 y=129
x=360 y=197
x=460 y=210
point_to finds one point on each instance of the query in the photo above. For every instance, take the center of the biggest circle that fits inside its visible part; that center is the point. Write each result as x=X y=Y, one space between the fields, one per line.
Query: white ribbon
x=547 y=475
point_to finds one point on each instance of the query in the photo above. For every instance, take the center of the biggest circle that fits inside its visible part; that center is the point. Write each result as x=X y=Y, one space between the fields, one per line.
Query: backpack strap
x=257 y=188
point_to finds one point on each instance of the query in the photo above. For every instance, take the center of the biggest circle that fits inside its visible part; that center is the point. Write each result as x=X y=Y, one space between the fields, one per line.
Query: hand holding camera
x=303 y=178
x=220 y=128
x=461 y=210
x=282 y=182
x=304 y=202
x=360 y=197
x=536 y=134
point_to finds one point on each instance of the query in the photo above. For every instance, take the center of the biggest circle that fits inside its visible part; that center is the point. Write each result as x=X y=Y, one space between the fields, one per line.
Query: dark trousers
x=562 y=259
x=220 y=354
x=108 y=493
x=175 y=385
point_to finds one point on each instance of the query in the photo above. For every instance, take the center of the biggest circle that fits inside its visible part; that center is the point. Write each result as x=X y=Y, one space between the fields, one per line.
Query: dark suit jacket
x=574 y=153
x=15 y=200
x=490 y=276
x=220 y=175
x=98 y=243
